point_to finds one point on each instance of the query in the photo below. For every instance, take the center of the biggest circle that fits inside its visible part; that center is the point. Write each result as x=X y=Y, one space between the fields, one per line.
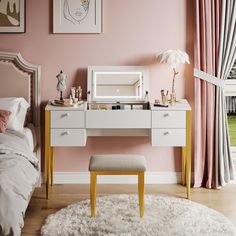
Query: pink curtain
x=205 y=59
x=215 y=54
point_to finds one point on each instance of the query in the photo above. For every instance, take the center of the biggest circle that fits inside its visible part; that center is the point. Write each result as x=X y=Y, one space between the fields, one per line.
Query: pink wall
x=133 y=31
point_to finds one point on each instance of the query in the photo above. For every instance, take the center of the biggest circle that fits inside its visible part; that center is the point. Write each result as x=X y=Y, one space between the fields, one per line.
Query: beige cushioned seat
x=117 y=162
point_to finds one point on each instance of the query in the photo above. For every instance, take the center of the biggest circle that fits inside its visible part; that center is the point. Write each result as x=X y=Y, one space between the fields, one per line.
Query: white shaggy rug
x=118 y=215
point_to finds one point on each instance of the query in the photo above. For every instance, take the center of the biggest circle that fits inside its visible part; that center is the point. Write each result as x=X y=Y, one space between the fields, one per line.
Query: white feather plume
x=173 y=57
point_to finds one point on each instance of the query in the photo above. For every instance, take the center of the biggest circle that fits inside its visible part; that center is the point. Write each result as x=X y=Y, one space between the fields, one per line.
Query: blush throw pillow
x=4 y=117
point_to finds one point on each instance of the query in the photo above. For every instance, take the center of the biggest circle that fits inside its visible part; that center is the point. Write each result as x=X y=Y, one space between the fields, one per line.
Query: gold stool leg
x=141 y=193
x=93 y=182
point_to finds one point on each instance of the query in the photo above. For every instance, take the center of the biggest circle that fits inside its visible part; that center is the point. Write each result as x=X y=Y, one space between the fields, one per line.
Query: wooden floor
x=39 y=208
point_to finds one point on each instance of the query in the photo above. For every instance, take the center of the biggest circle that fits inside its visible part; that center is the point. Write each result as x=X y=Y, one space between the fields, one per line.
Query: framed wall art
x=77 y=16
x=12 y=16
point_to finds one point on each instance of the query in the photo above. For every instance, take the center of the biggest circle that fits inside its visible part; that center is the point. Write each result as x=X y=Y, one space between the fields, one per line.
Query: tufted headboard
x=19 y=78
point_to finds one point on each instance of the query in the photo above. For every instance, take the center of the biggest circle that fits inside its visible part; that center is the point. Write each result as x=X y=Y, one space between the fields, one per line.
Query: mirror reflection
x=118 y=84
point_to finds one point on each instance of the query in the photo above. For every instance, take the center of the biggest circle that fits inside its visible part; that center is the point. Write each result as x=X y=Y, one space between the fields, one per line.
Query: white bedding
x=28 y=134
x=18 y=176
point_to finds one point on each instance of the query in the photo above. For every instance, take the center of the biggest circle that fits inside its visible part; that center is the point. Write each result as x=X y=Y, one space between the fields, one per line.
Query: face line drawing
x=68 y=15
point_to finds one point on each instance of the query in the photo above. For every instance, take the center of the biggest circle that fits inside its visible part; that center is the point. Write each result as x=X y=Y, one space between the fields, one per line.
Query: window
x=230 y=93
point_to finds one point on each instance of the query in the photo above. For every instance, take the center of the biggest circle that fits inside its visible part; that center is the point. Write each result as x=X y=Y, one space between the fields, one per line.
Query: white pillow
x=18 y=108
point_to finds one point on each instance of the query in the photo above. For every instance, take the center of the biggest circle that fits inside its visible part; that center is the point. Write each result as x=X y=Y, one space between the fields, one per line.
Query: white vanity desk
x=70 y=127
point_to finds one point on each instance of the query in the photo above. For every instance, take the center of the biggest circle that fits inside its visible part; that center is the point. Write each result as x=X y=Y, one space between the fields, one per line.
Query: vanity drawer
x=118 y=119
x=169 y=119
x=67 y=119
x=169 y=137
x=68 y=137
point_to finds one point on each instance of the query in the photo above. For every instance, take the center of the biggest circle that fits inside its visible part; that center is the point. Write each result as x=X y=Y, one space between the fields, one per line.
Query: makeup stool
x=115 y=164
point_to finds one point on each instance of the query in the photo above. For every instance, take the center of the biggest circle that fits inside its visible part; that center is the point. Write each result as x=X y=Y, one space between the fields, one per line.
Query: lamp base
x=173 y=98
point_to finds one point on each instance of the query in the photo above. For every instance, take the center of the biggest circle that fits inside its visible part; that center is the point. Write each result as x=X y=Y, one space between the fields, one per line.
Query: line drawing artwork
x=76 y=11
x=9 y=13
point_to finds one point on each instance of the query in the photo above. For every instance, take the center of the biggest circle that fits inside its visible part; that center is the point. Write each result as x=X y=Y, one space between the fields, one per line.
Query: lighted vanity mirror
x=117 y=83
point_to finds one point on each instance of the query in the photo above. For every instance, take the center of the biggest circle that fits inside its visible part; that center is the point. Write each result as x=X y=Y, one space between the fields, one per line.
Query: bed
x=20 y=150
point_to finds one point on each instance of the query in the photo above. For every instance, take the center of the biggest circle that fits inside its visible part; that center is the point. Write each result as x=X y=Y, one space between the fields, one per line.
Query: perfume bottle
x=79 y=91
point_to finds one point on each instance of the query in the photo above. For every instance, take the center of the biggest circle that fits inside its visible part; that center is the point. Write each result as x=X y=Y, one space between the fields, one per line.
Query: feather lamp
x=173 y=58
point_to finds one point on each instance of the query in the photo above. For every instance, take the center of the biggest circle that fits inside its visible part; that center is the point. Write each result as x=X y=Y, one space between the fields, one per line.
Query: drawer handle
x=66 y=133
x=167 y=133
x=66 y=114
x=167 y=115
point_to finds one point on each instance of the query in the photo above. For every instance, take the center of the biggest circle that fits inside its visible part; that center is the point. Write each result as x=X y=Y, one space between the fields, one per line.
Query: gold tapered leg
x=184 y=165
x=188 y=153
x=48 y=172
x=141 y=193
x=47 y=151
x=93 y=182
x=52 y=165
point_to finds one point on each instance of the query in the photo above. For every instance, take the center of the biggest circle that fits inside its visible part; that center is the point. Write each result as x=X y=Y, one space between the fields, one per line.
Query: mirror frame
x=93 y=70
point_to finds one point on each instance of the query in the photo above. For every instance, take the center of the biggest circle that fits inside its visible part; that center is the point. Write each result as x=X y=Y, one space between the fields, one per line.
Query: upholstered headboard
x=19 y=78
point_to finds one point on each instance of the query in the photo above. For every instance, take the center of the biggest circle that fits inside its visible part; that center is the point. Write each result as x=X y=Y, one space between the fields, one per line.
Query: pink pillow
x=4 y=117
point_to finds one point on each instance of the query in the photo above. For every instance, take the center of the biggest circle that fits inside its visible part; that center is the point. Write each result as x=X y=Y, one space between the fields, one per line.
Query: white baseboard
x=150 y=178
